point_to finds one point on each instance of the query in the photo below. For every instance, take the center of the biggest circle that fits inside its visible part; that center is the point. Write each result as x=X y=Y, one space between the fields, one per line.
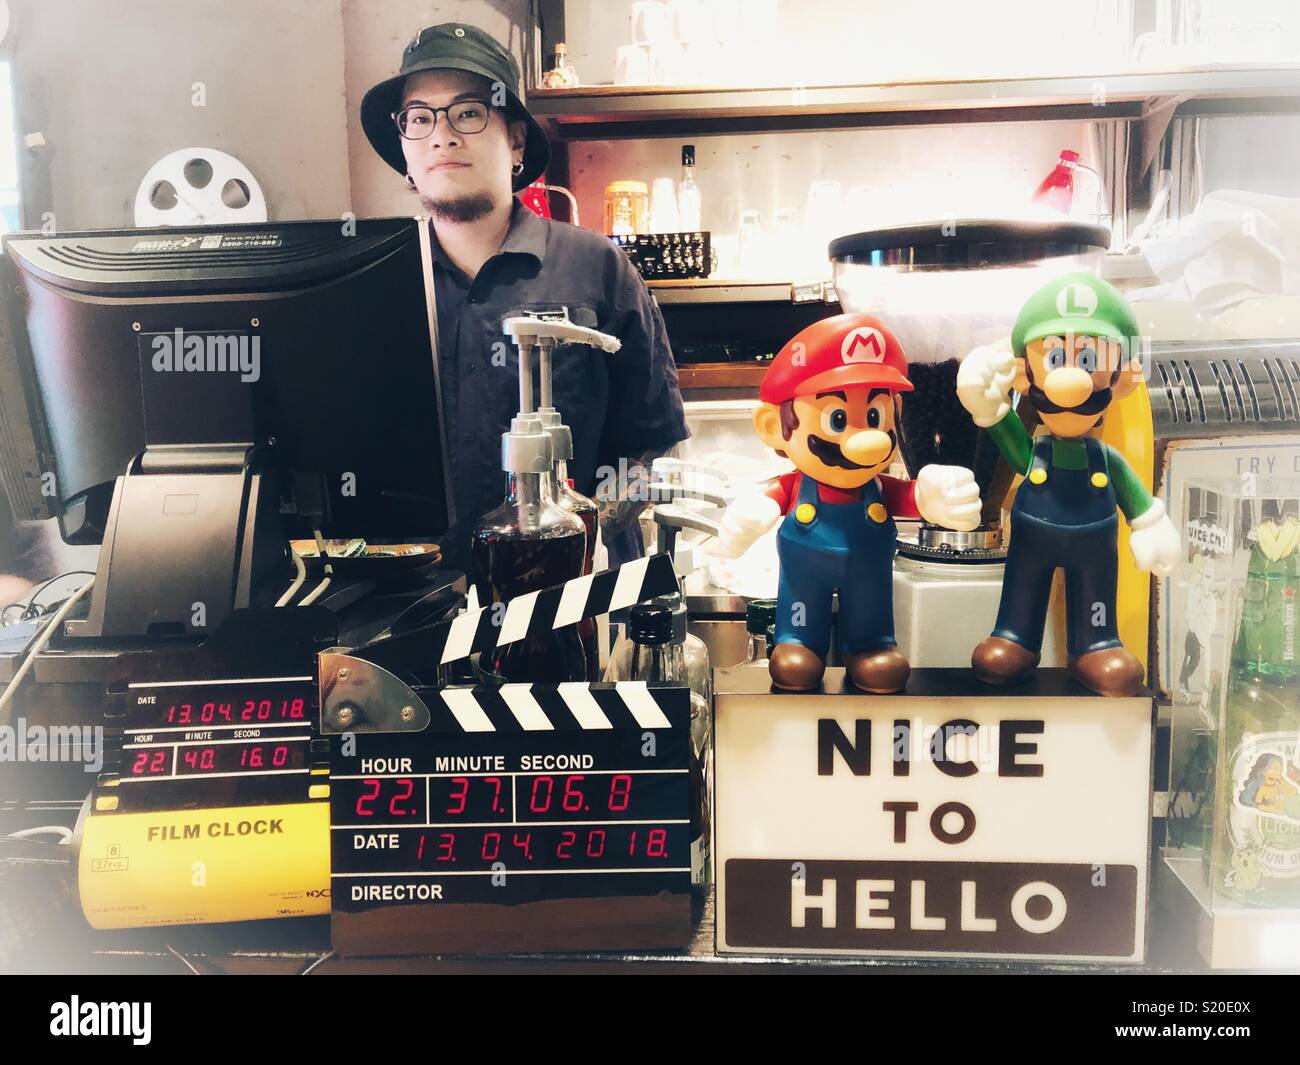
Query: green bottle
x=1257 y=849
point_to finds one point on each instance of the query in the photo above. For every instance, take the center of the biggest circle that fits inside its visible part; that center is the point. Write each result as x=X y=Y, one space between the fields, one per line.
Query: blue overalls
x=1063 y=518
x=828 y=546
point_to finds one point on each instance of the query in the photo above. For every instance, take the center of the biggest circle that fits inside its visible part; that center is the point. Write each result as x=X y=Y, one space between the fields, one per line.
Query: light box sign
x=952 y=820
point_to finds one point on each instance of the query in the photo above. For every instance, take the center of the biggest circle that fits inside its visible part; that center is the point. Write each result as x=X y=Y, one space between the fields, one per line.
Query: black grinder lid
x=969 y=243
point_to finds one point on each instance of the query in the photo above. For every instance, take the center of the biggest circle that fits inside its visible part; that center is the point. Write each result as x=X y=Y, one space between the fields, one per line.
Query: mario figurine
x=1070 y=355
x=830 y=403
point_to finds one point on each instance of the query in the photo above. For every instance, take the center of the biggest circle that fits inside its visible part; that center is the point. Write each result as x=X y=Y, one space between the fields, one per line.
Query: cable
x=300 y=575
x=38 y=645
x=316 y=963
x=319 y=590
x=29 y=609
x=315 y=593
x=194 y=970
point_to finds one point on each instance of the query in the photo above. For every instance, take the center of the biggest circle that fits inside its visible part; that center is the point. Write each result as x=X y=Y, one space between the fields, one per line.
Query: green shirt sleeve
x=1012 y=439
x=1131 y=494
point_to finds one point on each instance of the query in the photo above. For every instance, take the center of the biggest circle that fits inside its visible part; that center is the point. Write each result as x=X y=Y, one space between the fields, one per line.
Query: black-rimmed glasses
x=417 y=121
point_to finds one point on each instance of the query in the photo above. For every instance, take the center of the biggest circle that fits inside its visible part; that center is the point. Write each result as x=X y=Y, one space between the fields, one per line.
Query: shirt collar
x=525 y=236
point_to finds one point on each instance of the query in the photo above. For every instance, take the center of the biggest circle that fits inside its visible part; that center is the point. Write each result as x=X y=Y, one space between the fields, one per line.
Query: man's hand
x=1154 y=541
x=984 y=382
x=948 y=496
x=743 y=522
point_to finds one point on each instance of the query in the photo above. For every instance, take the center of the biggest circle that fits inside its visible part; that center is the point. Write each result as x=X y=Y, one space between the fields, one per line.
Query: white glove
x=743 y=522
x=984 y=381
x=1155 y=543
x=948 y=496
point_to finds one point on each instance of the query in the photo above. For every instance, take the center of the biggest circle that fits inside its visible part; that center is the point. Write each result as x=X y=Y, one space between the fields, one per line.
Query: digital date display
x=591 y=848
x=221 y=704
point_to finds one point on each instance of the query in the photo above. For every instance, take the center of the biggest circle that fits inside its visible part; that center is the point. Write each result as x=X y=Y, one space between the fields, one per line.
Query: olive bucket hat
x=451 y=46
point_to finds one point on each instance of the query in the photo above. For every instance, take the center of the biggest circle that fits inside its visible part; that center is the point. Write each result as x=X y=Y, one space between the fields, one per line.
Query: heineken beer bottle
x=1257 y=852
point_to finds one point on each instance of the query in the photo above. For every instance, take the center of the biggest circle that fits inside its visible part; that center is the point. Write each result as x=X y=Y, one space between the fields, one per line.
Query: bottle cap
x=688 y=155
x=650 y=623
x=760 y=615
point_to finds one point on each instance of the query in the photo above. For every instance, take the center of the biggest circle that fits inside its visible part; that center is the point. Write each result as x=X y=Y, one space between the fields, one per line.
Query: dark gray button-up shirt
x=618 y=406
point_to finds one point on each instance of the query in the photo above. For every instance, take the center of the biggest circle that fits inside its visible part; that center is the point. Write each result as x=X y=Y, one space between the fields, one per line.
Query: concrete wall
x=109 y=84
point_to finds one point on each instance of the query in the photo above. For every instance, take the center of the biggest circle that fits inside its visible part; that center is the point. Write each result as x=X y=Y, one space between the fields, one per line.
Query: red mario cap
x=835 y=353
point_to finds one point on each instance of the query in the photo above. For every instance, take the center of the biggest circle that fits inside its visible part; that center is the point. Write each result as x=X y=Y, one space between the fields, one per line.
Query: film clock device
x=527 y=817
x=214 y=804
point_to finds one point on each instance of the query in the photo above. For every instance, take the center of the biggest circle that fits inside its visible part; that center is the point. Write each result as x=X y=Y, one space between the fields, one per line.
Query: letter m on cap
x=863 y=344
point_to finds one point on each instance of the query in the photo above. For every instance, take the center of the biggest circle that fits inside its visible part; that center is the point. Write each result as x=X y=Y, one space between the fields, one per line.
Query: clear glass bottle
x=563 y=75
x=760 y=620
x=657 y=658
x=689 y=205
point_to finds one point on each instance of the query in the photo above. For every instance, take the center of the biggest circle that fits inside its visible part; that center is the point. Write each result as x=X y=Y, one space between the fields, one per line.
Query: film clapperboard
x=526 y=817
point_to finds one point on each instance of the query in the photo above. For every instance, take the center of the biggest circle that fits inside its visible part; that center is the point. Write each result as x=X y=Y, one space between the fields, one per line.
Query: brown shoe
x=881 y=671
x=794 y=668
x=1000 y=661
x=1111 y=671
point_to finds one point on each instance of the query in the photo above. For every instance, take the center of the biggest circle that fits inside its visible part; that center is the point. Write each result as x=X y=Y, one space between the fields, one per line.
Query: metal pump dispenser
x=549 y=332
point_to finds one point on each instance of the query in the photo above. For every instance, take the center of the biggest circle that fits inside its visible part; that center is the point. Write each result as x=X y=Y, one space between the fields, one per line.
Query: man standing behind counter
x=452 y=122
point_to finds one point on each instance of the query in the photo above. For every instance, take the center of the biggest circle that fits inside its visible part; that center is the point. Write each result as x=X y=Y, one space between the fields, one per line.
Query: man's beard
x=469 y=208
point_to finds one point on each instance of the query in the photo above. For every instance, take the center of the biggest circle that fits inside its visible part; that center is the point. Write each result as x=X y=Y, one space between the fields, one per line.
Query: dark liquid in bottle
x=511 y=566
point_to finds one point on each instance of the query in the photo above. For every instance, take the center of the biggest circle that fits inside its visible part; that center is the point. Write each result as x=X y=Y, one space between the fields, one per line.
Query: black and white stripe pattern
x=575 y=706
x=531 y=614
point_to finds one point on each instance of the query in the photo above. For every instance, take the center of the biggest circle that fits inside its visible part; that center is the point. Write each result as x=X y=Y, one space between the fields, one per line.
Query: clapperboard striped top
x=626 y=705
x=536 y=613
x=532 y=614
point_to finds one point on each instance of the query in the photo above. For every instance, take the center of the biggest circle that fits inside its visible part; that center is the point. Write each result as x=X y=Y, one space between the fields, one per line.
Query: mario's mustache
x=831 y=455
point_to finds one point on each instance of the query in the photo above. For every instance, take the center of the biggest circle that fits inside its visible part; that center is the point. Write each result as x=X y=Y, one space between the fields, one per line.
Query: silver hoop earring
x=518 y=168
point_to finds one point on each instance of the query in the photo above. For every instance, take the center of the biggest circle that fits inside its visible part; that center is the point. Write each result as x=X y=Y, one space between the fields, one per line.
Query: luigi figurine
x=830 y=402
x=1071 y=356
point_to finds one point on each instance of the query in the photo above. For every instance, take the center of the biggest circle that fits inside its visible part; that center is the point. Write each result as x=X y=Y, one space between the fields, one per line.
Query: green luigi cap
x=1079 y=304
x=452 y=46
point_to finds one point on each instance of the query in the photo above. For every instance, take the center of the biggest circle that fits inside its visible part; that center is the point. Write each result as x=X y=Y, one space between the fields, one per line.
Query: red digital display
x=154 y=762
x=580 y=797
x=620 y=847
x=198 y=759
x=509 y=798
x=255 y=710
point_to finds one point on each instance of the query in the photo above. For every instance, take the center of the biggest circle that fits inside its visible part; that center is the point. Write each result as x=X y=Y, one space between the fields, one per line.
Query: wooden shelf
x=736 y=290
x=747 y=375
x=603 y=112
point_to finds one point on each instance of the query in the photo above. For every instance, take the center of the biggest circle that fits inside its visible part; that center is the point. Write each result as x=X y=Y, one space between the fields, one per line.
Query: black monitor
x=191 y=398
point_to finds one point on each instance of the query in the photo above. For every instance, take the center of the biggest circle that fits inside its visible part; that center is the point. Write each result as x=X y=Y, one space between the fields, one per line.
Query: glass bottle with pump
x=528 y=543
x=689 y=206
x=657 y=658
